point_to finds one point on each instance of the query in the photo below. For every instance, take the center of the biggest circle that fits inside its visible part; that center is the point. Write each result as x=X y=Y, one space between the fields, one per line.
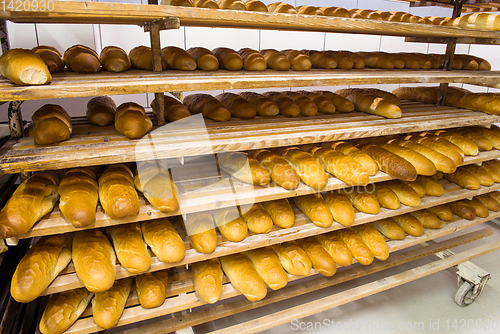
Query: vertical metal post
x=4 y=37
x=154 y=33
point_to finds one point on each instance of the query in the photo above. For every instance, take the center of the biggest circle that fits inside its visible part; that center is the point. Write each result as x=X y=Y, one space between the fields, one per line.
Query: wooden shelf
x=69 y=84
x=302 y=228
x=90 y=146
x=182 y=297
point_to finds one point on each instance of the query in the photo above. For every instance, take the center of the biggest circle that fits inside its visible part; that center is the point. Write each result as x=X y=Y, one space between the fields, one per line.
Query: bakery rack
x=20 y=155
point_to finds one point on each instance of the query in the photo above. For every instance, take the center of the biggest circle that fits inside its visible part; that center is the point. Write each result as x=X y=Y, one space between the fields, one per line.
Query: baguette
x=281 y=212
x=389 y=228
x=492 y=170
x=483 y=143
x=482 y=175
x=255 y=6
x=481 y=21
x=336 y=247
x=495 y=195
x=386 y=197
x=201 y=231
x=385 y=95
x=33 y=199
x=161 y=236
x=359 y=61
x=63 y=309
x=141 y=57
x=281 y=171
x=465 y=144
x=130 y=248
x=344 y=61
x=369 y=165
x=281 y=7
x=237 y=105
x=341 y=104
x=321 y=59
x=51 y=57
x=82 y=59
x=252 y=60
x=463 y=210
x=421 y=94
x=268 y=266
x=417 y=186
x=464 y=179
x=184 y=3
x=307 y=106
x=335 y=11
x=231 y=4
x=363 y=201
x=374 y=241
x=264 y=105
x=391 y=163
x=315 y=208
x=228 y=59
x=117 y=194
x=308 y=10
x=377 y=60
x=422 y=165
x=152 y=288
x=177 y=59
x=276 y=60
x=101 y=110
x=108 y=306
x=446 y=143
x=205 y=59
x=40 y=266
x=340 y=207
x=132 y=121
x=286 y=105
x=173 y=108
x=481 y=209
x=405 y=194
x=427 y=218
x=293 y=258
x=244 y=168
x=309 y=169
x=257 y=218
x=370 y=103
x=243 y=276
x=299 y=61
x=324 y=104
x=409 y=224
x=491 y=203
x=208 y=106
x=443 y=212
x=320 y=258
x=156 y=185
x=431 y=185
x=356 y=245
x=230 y=224
x=79 y=194
x=114 y=59
x=208 y=277
x=52 y=124
x=493 y=137
x=94 y=260
x=439 y=147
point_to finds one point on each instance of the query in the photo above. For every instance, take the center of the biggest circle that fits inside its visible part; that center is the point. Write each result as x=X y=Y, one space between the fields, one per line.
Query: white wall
x=127 y=37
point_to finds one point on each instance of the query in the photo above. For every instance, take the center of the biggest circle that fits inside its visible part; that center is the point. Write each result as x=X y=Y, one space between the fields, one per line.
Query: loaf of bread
x=369 y=165
x=340 y=207
x=208 y=277
x=33 y=199
x=409 y=224
x=228 y=59
x=464 y=179
x=231 y=4
x=132 y=121
x=243 y=276
x=363 y=200
x=237 y=105
x=308 y=10
x=252 y=60
x=94 y=260
x=208 y=106
x=320 y=258
x=493 y=137
x=431 y=185
x=389 y=228
x=493 y=163
x=114 y=59
x=324 y=104
x=370 y=103
x=276 y=60
x=446 y=143
x=337 y=248
x=442 y=211
x=364 y=14
x=152 y=288
x=117 y=194
x=385 y=95
x=205 y=59
x=495 y=195
x=79 y=194
x=405 y=194
x=359 y=61
x=176 y=58
x=130 y=248
x=307 y=106
x=257 y=218
x=286 y=105
x=421 y=94
x=307 y=167
x=479 y=21
x=492 y=170
x=356 y=245
x=427 y=218
x=184 y=3
x=417 y=186
x=161 y=236
x=244 y=168
x=82 y=59
x=466 y=145
x=230 y=224
x=482 y=175
x=422 y=165
x=255 y=6
x=341 y=104
x=315 y=208
x=391 y=163
x=321 y=59
x=440 y=147
x=374 y=241
x=52 y=124
x=51 y=57
x=490 y=203
x=299 y=61
x=281 y=7
x=264 y=105
x=293 y=258
x=377 y=60
x=108 y=306
x=174 y=109
x=40 y=266
x=281 y=212
x=63 y=309
x=335 y=11
x=481 y=209
x=201 y=231
x=463 y=209
x=386 y=197
x=282 y=173
x=101 y=110
x=268 y=265
x=141 y=57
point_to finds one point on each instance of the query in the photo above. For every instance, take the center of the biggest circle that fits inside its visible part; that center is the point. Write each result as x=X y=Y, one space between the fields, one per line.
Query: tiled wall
x=127 y=37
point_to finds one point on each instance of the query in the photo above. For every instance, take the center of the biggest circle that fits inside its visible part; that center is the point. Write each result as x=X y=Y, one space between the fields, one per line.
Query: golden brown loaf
x=308 y=10
x=315 y=208
x=344 y=61
x=370 y=103
x=51 y=57
x=427 y=218
x=281 y=212
x=466 y=145
x=101 y=110
x=141 y=57
x=79 y=194
x=257 y=218
x=32 y=200
x=324 y=104
x=320 y=258
x=82 y=59
x=244 y=168
x=307 y=106
x=184 y=3
x=485 y=179
x=389 y=228
x=264 y=105
x=341 y=104
x=446 y=143
x=374 y=241
x=231 y=4
x=422 y=165
x=299 y=61
x=491 y=203
x=422 y=94
x=208 y=106
x=442 y=211
x=309 y=169
x=340 y=206
x=493 y=137
x=359 y=61
x=286 y=105
x=230 y=224
x=114 y=59
x=131 y=120
x=321 y=59
x=391 y=163
x=337 y=248
x=406 y=194
x=52 y=124
x=244 y=276
x=108 y=306
x=377 y=60
x=155 y=183
x=293 y=258
x=40 y=266
x=417 y=186
x=178 y=59
x=464 y=179
x=174 y=109
x=363 y=201
x=444 y=150
x=152 y=288
x=493 y=163
x=255 y=6
x=201 y=231
x=268 y=265
x=252 y=60
x=480 y=208
x=386 y=197
x=208 y=277
x=409 y=224
x=94 y=260
x=276 y=60
x=481 y=21
x=356 y=245
x=463 y=209
x=228 y=59
x=237 y=105
x=385 y=95
x=335 y=11
x=63 y=309
x=160 y=235
x=369 y=165
x=130 y=248
x=205 y=59
x=117 y=194
x=431 y=185
x=281 y=7
x=280 y=170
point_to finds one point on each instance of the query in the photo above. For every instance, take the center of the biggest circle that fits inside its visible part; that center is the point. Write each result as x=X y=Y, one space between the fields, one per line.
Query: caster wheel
x=465 y=294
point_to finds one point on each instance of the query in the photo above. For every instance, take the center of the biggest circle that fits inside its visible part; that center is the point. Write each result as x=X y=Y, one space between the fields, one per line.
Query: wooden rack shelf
x=69 y=84
x=302 y=228
x=90 y=146
x=182 y=296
